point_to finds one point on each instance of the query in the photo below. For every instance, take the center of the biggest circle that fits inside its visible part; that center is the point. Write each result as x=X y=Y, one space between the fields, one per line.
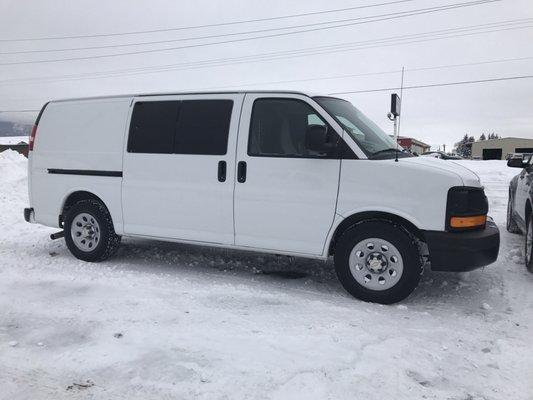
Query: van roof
x=188 y=92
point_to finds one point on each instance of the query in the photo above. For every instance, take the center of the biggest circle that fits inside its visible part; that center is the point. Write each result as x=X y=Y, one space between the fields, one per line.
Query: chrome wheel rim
x=85 y=232
x=529 y=242
x=376 y=264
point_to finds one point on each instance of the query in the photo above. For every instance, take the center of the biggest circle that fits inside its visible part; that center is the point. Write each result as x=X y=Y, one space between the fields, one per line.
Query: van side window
x=203 y=127
x=180 y=127
x=153 y=125
x=278 y=128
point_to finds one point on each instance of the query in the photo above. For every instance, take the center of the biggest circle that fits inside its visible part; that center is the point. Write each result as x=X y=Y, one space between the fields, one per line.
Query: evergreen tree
x=464 y=146
x=461 y=145
x=468 y=147
x=482 y=137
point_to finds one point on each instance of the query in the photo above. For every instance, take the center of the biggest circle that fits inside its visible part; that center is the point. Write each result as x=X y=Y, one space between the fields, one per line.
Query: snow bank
x=11 y=157
x=13 y=166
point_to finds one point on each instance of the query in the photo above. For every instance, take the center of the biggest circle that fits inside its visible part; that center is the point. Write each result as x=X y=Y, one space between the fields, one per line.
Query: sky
x=495 y=36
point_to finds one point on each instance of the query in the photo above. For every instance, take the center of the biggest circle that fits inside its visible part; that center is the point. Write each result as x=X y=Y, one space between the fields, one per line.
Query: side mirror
x=516 y=162
x=316 y=139
x=395 y=105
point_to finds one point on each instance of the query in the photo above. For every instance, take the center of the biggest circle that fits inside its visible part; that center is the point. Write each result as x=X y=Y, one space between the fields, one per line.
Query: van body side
x=80 y=148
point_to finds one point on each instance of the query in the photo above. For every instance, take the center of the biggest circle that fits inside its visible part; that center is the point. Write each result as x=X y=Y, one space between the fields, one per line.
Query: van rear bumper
x=29 y=215
x=463 y=251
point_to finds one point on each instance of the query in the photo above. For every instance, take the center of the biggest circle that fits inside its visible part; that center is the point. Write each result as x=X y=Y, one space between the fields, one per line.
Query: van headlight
x=466 y=208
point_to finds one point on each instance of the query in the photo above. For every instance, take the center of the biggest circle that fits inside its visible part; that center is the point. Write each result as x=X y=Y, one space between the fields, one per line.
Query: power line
x=208 y=25
x=376 y=73
x=413 y=13
x=392 y=41
x=382 y=42
x=389 y=89
x=220 y=35
x=437 y=85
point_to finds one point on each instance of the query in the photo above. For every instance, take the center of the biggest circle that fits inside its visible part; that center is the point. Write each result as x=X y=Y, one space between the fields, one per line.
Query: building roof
x=505 y=138
x=6 y=140
x=415 y=141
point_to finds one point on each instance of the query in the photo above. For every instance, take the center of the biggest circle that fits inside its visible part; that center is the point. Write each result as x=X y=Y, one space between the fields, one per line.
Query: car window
x=153 y=126
x=278 y=128
x=180 y=127
x=203 y=127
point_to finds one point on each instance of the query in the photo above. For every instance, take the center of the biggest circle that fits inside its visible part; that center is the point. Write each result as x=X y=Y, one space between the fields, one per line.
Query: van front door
x=178 y=176
x=285 y=194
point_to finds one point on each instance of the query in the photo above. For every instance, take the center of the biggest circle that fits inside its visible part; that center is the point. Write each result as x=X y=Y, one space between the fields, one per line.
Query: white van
x=273 y=172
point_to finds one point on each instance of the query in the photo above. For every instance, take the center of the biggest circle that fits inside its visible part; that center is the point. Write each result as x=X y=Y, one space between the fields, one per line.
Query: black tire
x=395 y=235
x=529 y=243
x=511 y=225
x=108 y=242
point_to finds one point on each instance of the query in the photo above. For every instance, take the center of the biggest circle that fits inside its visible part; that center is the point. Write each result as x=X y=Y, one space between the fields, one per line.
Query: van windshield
x=371 y=138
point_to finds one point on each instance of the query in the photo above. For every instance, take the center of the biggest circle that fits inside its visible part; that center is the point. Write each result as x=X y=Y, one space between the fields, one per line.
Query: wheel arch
x=74 y=197
x=359 y=217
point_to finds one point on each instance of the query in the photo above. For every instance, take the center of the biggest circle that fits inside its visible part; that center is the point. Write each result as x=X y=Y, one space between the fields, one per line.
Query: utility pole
x=444 y=147
x=393 y=116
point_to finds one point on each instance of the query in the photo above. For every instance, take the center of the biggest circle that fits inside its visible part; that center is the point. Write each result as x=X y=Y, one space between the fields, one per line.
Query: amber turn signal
x=468 y=222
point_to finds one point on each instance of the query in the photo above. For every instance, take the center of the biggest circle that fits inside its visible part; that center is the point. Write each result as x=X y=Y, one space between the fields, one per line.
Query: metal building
x=500 y=149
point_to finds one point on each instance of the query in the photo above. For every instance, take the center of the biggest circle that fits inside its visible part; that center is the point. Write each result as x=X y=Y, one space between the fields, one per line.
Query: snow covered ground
x=163 y=321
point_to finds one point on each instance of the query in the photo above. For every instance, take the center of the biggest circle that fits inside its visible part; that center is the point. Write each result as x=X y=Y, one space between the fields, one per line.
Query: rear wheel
x=511 y=224
x=89 y=231
x=529 y=243
x=378 y=261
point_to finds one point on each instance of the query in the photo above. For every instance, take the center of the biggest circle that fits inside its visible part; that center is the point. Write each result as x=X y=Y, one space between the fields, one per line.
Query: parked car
x=442 y=155
x=519 y=205
x=272 y=172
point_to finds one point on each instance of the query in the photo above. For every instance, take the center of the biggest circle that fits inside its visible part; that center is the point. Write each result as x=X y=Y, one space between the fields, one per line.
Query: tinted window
x=524 y=150
x=180 y=127
x=203 y=127
x=153 y=126
x=279 y=126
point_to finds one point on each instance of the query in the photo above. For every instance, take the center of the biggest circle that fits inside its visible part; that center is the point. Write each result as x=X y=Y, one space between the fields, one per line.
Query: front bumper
x=29 y=215
x=463 y=251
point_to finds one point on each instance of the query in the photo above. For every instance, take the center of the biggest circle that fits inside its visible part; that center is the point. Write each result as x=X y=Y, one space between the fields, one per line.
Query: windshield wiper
x=385 y=151
x=389 y=150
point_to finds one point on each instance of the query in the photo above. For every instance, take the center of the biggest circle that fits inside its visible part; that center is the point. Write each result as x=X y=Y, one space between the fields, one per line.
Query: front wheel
x=529 y=243
x=89 y=231
x=378 y=261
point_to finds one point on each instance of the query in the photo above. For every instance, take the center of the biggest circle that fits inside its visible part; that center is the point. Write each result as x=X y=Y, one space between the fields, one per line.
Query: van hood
x=468 y=177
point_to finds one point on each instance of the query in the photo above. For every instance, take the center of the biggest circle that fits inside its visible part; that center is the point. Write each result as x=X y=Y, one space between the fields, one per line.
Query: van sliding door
x=179 y=167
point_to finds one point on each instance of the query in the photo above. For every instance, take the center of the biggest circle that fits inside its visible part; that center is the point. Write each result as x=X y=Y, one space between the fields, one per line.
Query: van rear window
x=180 y=127
x=153 y=127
